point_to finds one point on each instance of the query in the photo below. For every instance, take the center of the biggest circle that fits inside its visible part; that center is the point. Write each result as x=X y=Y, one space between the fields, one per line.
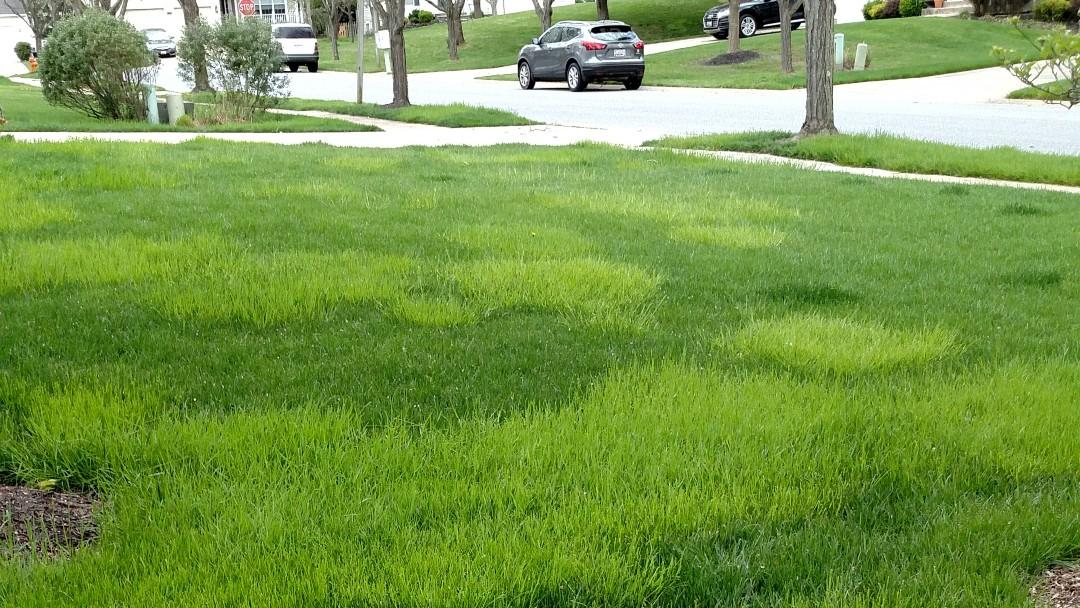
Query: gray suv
x=581 y=52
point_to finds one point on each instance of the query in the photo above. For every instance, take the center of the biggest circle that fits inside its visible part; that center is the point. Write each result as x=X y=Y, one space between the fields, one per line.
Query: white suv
x=298 y=45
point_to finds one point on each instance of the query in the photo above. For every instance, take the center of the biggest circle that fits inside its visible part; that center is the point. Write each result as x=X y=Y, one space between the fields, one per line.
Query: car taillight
x=316 y=47
x=639 y=45
x=592 y=45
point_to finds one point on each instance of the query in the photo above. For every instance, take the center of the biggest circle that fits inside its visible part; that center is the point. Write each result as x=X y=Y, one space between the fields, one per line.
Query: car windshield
x=612 y=33
x=294 y=32
x=155 y=34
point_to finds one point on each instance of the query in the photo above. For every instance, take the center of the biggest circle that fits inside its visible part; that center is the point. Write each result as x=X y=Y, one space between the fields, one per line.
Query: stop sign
x=246 y=7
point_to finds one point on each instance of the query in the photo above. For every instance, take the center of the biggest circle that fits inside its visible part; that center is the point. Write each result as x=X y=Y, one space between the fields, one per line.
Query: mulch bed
x=1058 y=588
x=45 y=523
x=732 y=58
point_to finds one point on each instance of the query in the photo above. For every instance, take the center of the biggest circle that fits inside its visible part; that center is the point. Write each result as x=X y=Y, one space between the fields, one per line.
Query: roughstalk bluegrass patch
x=469 y=377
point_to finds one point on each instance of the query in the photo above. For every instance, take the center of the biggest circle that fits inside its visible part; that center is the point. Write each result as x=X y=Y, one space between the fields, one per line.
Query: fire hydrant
x=33 y=64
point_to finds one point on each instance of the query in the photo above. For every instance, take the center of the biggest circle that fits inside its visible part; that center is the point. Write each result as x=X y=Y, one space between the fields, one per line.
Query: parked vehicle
x=299 y=47
x=160 y=43
x=581 y=52
x=753 y=16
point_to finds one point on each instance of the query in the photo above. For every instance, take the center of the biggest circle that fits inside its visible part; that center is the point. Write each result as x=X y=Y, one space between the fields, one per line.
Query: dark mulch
x=732 y=58
x=1058 y=588
x=45 y=523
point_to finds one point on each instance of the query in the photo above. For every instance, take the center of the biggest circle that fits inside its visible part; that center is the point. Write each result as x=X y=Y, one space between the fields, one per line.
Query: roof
x=593 y=23
x=6 y=10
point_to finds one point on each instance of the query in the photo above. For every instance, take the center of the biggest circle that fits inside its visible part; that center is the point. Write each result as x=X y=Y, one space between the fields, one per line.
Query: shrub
x=1053 y=10
x=185 y=121
x=99 y=65
x=23 y=51
x=911 y=8
x=243 y=62
x=1054 y=75
x=421 y=17
x=891 y=10
x=191 y=53
x=871 y=9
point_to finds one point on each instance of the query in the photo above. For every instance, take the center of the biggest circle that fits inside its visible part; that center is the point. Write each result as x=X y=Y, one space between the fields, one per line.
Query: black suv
x=753 y=15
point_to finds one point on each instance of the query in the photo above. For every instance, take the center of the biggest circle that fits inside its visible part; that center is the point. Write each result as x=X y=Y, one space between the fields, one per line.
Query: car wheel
x=748 y=26
x=575 y=80
x=313 y=67
x=525 y=76
x=293 y=67
x=633 y=84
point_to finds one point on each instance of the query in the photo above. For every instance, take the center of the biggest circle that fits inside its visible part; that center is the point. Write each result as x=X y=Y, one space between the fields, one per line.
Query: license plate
x=620 y=52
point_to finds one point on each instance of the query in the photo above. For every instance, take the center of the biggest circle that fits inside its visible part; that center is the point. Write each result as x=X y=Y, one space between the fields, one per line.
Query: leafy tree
x=39 y=15
x=1058 y=59
x=192 y=51
x=244 y=64
x=97 y=64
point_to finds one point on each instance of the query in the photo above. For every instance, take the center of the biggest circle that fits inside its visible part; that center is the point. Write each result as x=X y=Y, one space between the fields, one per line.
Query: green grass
x=896 y=154
x=495 y=41
x=457 y=115
x=467 y=377
x=27 y=110
x=899 y=48
x=1038 y=94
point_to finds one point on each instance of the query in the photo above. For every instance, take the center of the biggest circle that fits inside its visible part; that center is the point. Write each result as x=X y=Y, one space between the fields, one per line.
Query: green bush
x=99 y=65
x=911 y=8
x=1053 y=10
x=23 y=51
x=191 y=53
x=421 y=17
x=243 y=64
x=871 y=9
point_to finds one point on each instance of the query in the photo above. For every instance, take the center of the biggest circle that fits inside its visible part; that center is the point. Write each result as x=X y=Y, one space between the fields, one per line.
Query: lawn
x=495 y=41
x=896 y=154
x=26 y=110
x=457 y=115
x=899 y=48
x=1039 y=94
x=534 y=377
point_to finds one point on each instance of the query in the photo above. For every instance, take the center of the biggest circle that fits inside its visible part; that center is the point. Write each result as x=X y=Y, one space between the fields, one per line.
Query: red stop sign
x=247 y=7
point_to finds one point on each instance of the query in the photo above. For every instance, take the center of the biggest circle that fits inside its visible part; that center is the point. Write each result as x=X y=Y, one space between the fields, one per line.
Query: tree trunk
x=361 y=26
x=787 y=9
x=191 y=19
x=819 y=68
x=453 y=28
x=543 y=12
x=332 y=29
x=602 y=10
x=494 y=4
x=477 y=9
x=733 y=26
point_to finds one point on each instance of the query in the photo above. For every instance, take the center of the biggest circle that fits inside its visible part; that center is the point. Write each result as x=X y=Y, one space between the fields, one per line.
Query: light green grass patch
x=521 y=240
x=588 y=291
x=841 y=346
x=264 y=289
x=20 y=213
x=737 y=237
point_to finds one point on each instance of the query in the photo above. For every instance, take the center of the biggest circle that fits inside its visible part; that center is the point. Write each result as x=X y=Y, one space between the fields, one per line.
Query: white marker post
x=382 y=43
x=839 y=40
x=861 y=52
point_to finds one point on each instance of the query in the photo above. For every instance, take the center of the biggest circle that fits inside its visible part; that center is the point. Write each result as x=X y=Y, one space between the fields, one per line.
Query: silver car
x=581 y=52
x=160 y=43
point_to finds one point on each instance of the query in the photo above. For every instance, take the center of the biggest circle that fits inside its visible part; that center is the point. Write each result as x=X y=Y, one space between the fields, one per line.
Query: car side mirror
x=536 y=41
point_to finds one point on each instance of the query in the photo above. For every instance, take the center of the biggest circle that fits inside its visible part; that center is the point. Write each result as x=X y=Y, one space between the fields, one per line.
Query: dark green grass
x=897 y=154
x=465 y=377
x=27 y=110
x=899 y=48
x=1039 y=94
x=495 y=41
x=453 y=115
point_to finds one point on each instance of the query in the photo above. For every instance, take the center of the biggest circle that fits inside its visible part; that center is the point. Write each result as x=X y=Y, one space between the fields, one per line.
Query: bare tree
x=602 y=10
x=333 y=22
x=543 y=13
x=494 y=4
x=455 y=34
x=734 y=22
x=819 y=68
x=392 y=14
x=117 y=8
x=38 y=15
x=787 y=11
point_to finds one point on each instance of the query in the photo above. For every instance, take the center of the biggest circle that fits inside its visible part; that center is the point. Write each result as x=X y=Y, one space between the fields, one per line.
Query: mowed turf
x=899 y=48
x=26 y=110
x=521 y=377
